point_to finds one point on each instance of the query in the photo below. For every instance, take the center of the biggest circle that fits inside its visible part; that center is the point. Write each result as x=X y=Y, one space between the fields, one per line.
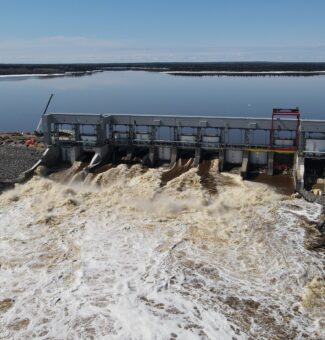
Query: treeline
x=8 y=69
x=189 y=74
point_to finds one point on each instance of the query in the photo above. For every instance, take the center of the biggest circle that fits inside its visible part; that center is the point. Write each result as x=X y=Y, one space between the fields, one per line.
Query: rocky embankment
x=310 y=197
x=18 y=153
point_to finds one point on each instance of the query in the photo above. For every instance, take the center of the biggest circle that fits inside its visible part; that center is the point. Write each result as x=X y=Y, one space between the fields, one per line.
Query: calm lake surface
x=23 y=99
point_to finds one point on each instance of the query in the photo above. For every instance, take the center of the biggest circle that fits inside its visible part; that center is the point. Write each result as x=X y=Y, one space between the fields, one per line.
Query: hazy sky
x=164 y=30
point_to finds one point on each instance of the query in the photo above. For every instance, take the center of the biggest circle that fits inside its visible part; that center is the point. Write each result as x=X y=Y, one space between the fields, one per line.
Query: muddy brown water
x=207 y=180
x=181 y=166
x=283 y=183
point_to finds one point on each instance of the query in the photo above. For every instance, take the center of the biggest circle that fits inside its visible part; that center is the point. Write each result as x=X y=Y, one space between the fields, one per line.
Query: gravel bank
x=15 y=159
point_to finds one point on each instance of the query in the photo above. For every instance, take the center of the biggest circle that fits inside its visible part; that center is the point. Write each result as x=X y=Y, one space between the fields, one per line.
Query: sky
x=47 y=31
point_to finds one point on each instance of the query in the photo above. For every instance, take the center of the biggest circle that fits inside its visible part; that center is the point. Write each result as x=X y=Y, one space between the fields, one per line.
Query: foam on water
x=121 y=256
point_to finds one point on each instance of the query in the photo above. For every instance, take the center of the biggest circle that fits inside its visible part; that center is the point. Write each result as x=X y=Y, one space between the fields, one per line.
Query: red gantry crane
x=275 y=140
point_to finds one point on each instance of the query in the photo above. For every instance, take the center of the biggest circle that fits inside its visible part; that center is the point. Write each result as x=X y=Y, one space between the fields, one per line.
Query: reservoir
x=23 y=98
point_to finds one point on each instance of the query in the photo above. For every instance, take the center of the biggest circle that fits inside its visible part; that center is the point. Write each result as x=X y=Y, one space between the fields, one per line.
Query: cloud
x=68 y=49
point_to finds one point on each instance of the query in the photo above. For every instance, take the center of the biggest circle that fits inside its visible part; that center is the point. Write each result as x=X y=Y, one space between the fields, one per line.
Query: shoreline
x=245 y=73
x=49 y=75
x=202 y=68
x=172 y=73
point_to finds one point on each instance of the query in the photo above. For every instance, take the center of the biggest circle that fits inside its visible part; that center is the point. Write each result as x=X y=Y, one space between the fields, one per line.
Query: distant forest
x=16 y=69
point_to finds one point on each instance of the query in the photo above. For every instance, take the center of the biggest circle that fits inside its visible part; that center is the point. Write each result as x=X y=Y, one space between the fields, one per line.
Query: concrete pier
x=244 y=166
x=221 y=162
x=152 y=155
x=76 y=152
x=197 y=156
x=174 y=154
x=270 y=163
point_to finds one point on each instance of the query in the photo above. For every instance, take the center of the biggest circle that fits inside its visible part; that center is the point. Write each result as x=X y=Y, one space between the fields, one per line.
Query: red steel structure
x=292 y=113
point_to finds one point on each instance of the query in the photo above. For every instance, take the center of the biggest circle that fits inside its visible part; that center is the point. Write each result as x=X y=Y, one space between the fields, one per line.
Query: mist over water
x=136 y=253
x=23 y=99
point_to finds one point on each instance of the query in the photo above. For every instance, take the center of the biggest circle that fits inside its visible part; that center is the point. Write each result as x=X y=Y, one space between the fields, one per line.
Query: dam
x=122 y=249
x=284 y=139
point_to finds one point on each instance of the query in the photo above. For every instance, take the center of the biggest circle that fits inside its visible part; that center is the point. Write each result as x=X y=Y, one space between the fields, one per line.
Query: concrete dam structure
x=248 y=142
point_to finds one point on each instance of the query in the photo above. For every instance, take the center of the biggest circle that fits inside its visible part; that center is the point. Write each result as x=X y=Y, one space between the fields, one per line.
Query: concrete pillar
x=77 y=132
x=198 y=135
x=153 y=132
x=302 y=141
x=152 y=155
x=223 y=135
x=221 y=159
x=75 y=153
x=102 y=132
x=110 y=131
x=270 y=163
x=299 y=172
x=197 y=157
x=173 y=155
x=244 y=165
x=131 y=132
x=247 y=136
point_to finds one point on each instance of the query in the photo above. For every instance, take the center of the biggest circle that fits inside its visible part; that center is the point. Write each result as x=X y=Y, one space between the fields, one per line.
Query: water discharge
x=135 y=253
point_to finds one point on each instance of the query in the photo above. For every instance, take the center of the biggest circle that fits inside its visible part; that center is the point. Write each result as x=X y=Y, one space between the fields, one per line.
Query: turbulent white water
x=119 y=256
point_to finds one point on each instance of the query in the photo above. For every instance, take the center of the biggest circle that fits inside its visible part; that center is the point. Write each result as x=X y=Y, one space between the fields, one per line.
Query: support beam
x=174 y=154
x=197 y=157
x=270 y=163
x=221 y=159
x=75 y=154
x=244 y=165
x=247 y=135
x=77 y=132
x=152 y=155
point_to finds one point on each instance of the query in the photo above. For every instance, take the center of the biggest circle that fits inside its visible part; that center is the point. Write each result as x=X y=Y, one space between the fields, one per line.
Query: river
x=23 y=99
